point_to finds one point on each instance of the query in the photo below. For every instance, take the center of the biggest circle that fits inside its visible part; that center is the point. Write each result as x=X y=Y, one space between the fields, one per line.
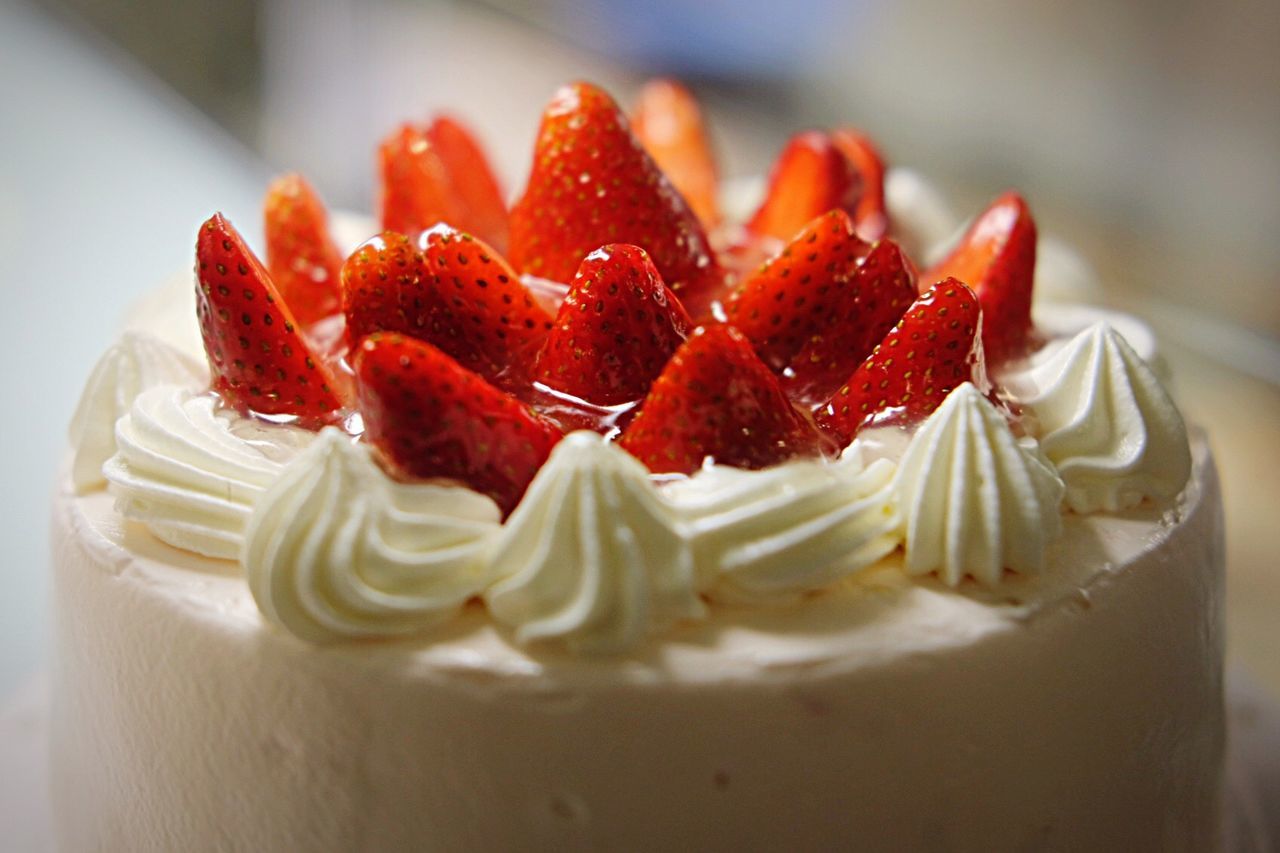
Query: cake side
x=1092 y=718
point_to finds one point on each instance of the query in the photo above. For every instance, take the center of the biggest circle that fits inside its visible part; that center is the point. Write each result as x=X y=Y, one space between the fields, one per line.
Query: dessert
x=633 y=520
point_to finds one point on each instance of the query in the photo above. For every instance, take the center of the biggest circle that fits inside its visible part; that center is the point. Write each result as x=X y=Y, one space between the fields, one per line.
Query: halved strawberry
x=870 y=216
x=715 y=398
x=592 y=183
x=257 y=357
x=997 y=258
x=301 y=256
x=810 y=177
x=430 y=417
x=452 y=290
x=615 y=331
x=867 y=306
x=934 y=348
x=669 y=124
x=438 y=173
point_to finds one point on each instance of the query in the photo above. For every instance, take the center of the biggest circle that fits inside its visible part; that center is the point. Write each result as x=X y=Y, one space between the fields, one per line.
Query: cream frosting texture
x=190 y=470
x=592 y=555
x=1108 y=424
x=135 y=363
x=336 y=550
x=974 y=500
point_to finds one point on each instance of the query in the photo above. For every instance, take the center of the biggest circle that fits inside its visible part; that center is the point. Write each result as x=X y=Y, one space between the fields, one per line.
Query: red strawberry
x=439 y=174
x=301 y=256
x=430 y=417
x=715 y=398
x=934 y=348
x=617 y=328
x=455 y=292
x=592 y=183
x=870 y=216
x=997 y=258
x=258 y=359
x=810 y=177
x=669 y=124
x=869 y=304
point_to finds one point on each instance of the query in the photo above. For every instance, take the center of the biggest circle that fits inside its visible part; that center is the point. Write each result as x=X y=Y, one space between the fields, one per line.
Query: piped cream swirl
x=136 y=362
x=191 y=470
x=592 y=556
x=795 y=527
x=974 y=500
x=1108 y=424
x=335 y=549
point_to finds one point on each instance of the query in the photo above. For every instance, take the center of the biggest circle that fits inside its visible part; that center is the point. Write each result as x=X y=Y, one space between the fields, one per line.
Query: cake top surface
x=623 y=405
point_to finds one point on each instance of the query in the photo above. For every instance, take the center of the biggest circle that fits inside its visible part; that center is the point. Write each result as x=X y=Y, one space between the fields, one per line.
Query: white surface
x=104 y=179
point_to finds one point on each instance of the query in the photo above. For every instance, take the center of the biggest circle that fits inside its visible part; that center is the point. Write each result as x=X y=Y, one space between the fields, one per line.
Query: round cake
x=921 y=572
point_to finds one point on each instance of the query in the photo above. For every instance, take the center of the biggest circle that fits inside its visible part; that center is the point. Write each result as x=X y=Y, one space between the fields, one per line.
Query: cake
x=634 y=516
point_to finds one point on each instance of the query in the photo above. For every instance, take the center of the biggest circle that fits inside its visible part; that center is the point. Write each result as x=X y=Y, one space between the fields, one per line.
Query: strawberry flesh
x=668 y=122
x=615 y=331
x=592 y=183
x=259 y=360
x=997 y=258
x=716 y=399
x=810 y=177
x=303 y=261
x=430 y=417
x=473 y=182
x=870 y=214
x=933 y=348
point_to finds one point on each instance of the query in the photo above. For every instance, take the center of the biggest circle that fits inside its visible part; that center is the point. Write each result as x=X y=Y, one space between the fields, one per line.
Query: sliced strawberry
x=257 y=357
x=810 y=177
x=592 y=183
x=669 y=124
x=616 y=330
x=870 y=216
x=715 y=398
x=473 y=181
x=997 y=258
x=439 y=174
x=430 y=417
x=454 y=291
x=791 y=296
x=934 y=348
x=302 y=258
x=383 y=287
x=867 y=306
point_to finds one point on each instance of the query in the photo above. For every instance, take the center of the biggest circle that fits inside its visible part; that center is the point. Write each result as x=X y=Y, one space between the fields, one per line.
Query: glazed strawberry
x=934 y=348
x=715 y=398
x=615 y=331
x=669 y=124
x=790 y=296
x=870 y=215
x=438 y=173
x=301 y=256
x=430 y=417
x=257 y=357
x=452 y=290
x=592 y=183
x=382 y=282
x=810 y=177
x=997 y=258
x=867 y=307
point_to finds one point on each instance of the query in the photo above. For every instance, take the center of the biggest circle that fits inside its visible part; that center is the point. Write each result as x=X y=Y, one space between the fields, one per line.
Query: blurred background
x=1144 y=133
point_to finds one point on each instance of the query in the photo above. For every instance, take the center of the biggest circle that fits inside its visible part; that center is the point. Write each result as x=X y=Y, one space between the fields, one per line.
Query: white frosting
x=791 y=528
x=1108 y=424
x=335 y=549
x=190 y=470
x=592 y=555
x=918 y=213
x=134 y=363
x=974 y=500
